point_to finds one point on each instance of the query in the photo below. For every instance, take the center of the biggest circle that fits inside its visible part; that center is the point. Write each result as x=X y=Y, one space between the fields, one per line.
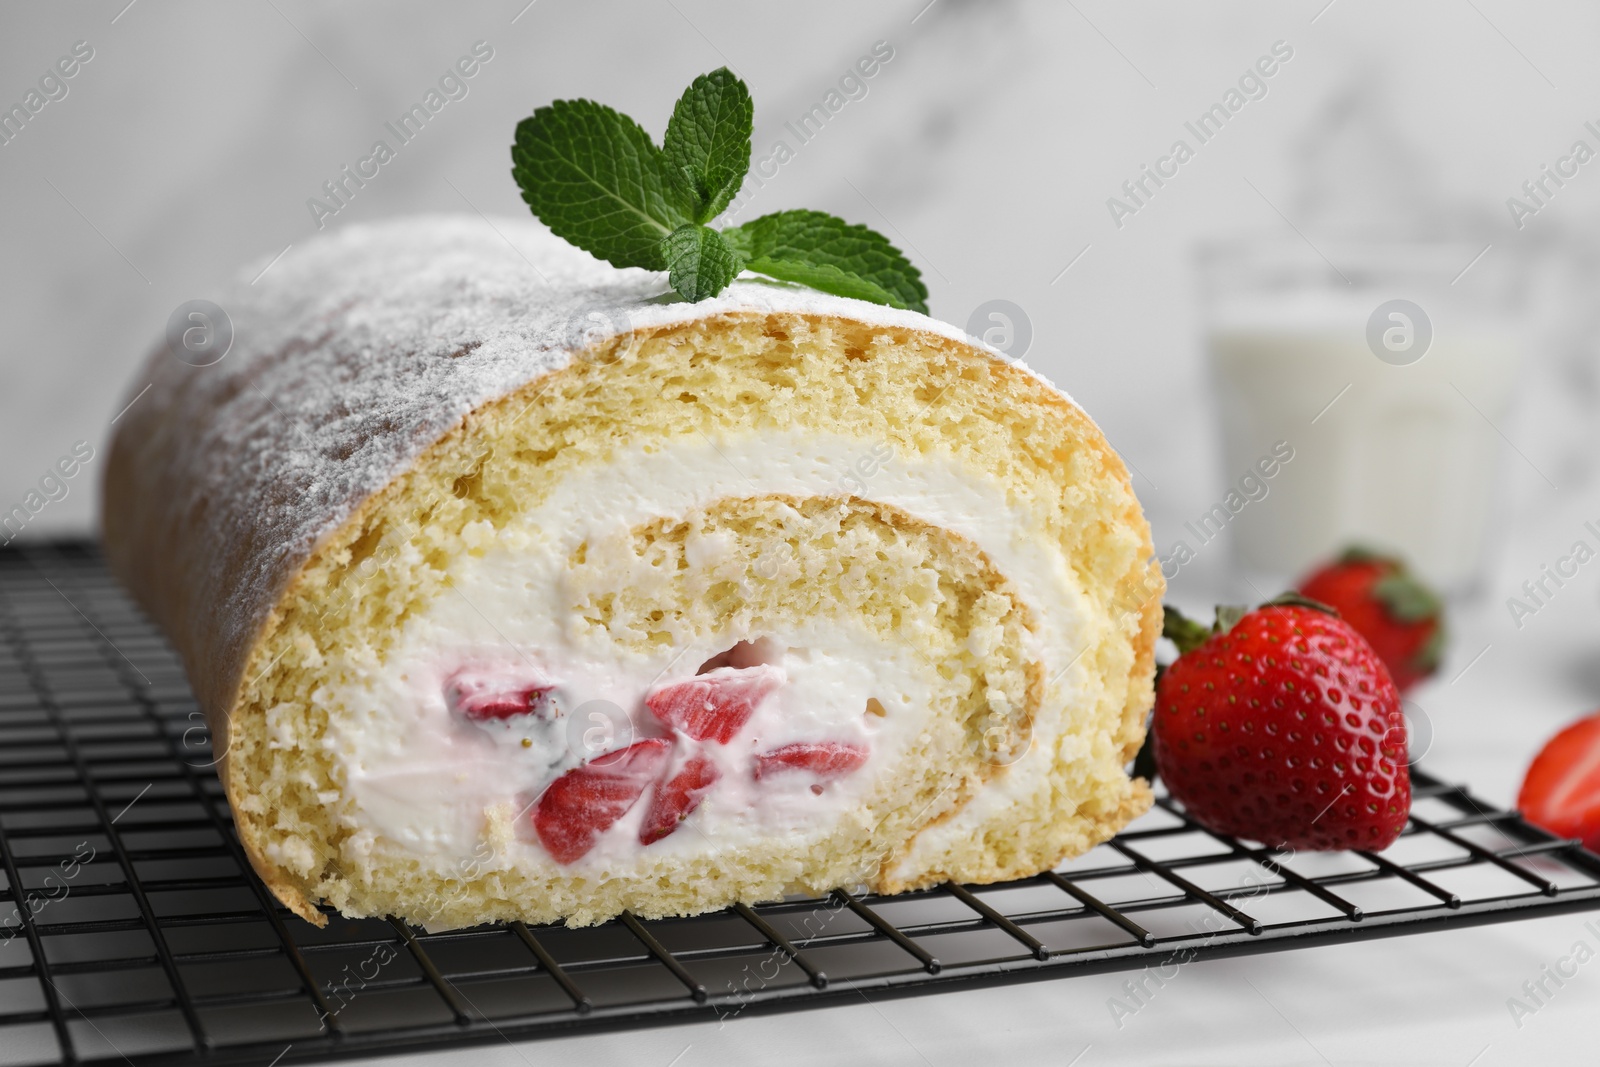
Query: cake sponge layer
x=783 y=566
x=440 y=506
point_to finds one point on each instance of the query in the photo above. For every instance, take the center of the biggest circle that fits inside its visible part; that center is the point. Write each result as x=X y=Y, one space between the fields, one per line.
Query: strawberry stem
x=1189 y=635
x=1181 y=630
x=1405 y=598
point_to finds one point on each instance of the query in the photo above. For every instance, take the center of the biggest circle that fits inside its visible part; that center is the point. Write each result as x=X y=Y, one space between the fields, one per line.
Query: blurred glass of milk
x=1379 y=341
x=1385 y=379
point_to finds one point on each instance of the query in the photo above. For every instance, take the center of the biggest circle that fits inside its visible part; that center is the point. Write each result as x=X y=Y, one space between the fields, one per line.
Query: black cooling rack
x=131 y=927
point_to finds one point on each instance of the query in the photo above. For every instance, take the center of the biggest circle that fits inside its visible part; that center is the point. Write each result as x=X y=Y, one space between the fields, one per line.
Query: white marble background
x=987 y=148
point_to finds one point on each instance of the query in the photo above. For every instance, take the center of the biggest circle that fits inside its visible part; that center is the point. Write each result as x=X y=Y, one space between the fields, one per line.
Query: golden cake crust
x=214 y=548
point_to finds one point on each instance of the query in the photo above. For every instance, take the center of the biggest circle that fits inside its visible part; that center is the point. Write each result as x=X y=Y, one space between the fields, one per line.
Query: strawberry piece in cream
x=488 y=695
x=584 y=803
x=714 y=706
x=822 y=759
x=676 y=798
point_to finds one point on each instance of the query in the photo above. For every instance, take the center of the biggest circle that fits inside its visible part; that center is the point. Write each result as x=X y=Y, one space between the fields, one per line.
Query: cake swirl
x=513 y=591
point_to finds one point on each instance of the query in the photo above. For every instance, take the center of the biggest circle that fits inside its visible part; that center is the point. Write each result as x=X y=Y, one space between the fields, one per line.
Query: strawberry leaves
x=1183 y=631
x=594 y=176
x=1187 y=634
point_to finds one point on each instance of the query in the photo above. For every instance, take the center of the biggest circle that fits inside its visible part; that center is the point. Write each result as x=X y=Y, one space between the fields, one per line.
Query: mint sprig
x=595 y=177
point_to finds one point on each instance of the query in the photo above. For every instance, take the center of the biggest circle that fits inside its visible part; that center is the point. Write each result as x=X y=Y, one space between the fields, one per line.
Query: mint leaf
x=700 y=262
x=827 y=253
x=707 y=146
x=594 y=177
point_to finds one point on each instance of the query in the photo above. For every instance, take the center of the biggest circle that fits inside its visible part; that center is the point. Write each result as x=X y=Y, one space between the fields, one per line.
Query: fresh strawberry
x=823 y=759
x=676 y=798
x=483 y=695
x=583 y=803
x=1281 y=725
x=1562 y=790
x=714 y=706
x=1401 y=618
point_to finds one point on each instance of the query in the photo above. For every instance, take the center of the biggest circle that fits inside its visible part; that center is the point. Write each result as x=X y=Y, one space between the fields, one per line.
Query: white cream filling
x=427 y=781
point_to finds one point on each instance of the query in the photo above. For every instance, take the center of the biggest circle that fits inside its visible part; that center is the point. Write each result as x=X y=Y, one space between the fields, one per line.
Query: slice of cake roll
x=514 y=588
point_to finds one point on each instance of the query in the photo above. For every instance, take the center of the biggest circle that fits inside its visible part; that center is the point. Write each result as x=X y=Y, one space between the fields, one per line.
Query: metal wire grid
x=131 y=928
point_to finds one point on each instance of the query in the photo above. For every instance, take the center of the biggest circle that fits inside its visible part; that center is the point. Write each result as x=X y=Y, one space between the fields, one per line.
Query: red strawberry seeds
x=1284 y=729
